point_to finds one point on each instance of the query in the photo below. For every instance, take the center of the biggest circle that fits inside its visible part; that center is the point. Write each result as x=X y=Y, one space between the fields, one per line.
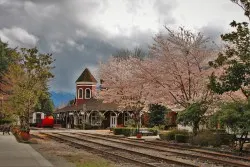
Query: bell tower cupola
x=85 y=87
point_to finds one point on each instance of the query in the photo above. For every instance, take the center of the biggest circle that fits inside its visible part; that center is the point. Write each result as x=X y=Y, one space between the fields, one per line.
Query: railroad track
x=163 y=154
x=225 y=160
x=198 y=149
x=130 y=156
x=161 y=146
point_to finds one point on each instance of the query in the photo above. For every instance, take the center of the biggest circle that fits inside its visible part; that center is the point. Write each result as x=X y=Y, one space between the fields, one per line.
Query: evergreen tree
x=45 y=104
x=235 y=62
x=157 y=115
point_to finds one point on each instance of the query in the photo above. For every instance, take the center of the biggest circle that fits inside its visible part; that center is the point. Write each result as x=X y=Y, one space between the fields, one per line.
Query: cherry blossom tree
x=177 y=71
x=175 y=74
x=121 y=86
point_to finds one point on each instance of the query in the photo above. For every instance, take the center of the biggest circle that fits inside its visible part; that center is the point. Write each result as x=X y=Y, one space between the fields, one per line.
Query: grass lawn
x=88 y=160
x=62 y=155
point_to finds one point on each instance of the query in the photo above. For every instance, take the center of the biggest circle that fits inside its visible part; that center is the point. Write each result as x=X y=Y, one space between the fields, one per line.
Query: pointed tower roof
x=86 y=76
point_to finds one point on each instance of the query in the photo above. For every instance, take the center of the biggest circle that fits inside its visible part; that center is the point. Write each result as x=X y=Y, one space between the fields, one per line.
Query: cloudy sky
x=80 y=33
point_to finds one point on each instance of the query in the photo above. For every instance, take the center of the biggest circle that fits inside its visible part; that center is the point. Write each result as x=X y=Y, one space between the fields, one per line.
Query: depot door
x=113 y=121
x=38 y=118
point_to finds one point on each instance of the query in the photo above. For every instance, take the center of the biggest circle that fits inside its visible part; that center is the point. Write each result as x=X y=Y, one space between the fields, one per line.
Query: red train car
x=48 y=121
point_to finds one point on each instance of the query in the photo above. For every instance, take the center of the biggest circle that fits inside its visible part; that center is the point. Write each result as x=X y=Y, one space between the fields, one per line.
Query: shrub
x=87 y=126
x=5 y=121
x=212 y=138
x=130 y=123
x=171 y=134
x=181 y=138
x=157 y=115
x=154 y=131
x=204 y=138
x=124 y=131
x=227 y=139
x=159 y=127
x=79 y=126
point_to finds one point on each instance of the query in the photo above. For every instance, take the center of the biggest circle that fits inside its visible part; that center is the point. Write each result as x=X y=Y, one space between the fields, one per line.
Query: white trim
x=85 y=85
x=90 y=83
x=86 y=93
x=79 y=93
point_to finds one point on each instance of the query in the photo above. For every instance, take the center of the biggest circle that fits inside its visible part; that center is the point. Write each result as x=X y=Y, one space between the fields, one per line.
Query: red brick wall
x=172 y=117
x=83 y=100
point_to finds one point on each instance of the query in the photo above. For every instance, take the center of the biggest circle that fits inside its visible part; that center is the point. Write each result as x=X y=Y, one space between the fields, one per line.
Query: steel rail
x=149 y=145
x=85 y=147
x=165 y=159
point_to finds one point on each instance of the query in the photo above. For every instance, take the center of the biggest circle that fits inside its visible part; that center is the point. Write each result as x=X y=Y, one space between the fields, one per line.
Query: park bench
x=145 y=132
x=247 y=139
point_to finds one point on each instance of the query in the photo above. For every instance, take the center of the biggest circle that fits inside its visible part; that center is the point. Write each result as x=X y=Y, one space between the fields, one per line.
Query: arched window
x=87 y=93
x=95 y=118
x=80 y=93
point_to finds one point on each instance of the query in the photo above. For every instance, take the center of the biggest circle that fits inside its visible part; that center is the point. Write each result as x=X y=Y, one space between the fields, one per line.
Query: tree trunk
x=242 y=140
x=21 y=121
x=137 y=120
x=195 y=128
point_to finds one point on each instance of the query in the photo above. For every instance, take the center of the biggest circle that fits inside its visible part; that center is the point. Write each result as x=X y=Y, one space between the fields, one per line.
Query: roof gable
x=86 y=76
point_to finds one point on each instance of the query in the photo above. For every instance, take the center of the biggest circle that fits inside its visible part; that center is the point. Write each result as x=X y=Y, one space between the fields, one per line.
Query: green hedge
x=88 y=126
x=170 y=135
x=125 y=131
x=128 y=131
x=181 y=138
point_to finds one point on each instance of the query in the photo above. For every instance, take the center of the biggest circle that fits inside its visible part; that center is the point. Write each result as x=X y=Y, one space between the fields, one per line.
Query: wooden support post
x=66 y=121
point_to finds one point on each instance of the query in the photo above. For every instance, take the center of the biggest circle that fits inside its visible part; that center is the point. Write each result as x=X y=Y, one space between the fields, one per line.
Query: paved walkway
x=14 y=154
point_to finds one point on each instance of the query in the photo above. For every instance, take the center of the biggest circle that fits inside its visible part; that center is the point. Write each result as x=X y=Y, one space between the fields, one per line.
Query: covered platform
x=95 y=113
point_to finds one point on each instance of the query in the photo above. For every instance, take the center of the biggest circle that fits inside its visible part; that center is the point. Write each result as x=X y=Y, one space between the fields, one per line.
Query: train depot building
x=87 y=110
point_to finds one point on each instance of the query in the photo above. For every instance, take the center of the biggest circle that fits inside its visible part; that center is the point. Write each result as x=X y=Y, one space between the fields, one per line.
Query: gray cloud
x=213 y=33
x=16 y=36
x=80 y=33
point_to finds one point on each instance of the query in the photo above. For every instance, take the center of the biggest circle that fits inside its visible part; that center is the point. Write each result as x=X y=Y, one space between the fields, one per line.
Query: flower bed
x=22 y=135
